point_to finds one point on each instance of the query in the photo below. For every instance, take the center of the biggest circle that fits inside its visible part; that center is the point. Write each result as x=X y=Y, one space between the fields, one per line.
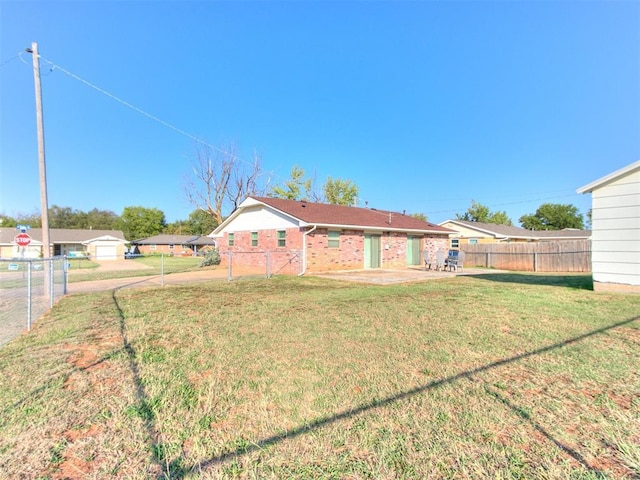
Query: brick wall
x=394 y=250
x=254 y=259
x=320 y=256
x=433 y=243
x=348 y=256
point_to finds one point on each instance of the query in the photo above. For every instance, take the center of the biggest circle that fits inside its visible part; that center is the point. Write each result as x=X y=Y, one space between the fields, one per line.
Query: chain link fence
x=28 y=289
x=245 y=264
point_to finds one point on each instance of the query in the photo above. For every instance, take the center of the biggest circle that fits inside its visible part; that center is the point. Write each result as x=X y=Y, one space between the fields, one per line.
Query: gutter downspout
x=304 y=250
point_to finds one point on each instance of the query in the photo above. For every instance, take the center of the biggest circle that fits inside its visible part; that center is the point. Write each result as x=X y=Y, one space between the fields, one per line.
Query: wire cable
x=133 y=107
x=17 y=55
x=53 y=66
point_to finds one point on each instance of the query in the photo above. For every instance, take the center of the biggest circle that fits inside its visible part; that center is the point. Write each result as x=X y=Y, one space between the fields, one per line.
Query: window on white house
x=473 y=241
x=333 y=239
x=282 y=238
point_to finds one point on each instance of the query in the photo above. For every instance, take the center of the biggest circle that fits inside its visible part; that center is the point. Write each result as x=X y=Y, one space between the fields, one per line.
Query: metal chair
x=455 y=262
x=427 y=260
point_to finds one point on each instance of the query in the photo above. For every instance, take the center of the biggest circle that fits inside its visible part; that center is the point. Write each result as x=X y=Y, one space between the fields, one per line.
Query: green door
x=413 y=250
x=371 y=251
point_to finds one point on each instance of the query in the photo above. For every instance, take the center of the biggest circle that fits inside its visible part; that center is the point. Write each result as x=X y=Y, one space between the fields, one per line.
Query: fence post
x=268 y=262
x=64 y=275
x=28 y=295
x=229 y=277
x=52 y=291
x=162 y=270
x=488 y=259
x=535 y=261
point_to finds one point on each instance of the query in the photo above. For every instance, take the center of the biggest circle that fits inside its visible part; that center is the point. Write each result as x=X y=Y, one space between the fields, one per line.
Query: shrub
x=212 y=257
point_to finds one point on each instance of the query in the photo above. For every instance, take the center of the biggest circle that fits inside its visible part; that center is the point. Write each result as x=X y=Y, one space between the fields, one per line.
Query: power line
x=505 y=204
x=53 y=66
x=17 y=55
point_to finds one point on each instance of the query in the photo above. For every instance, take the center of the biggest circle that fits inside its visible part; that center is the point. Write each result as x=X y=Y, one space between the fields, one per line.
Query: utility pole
x=44 y=204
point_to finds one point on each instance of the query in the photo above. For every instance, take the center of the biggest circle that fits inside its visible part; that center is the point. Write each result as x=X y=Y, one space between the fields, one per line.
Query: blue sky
x=424 y=105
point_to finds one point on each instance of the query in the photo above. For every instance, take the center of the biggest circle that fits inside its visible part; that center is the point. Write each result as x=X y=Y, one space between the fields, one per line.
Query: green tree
x=7 y=221
x=420 y=216
x=66 y=217
x=141 y=222
x=34 y=220
x=101 y=220
x=202 y=222
x=340 y=192
x=553 y=216
x=481 y=213
x=296 y=188
x=179 y=227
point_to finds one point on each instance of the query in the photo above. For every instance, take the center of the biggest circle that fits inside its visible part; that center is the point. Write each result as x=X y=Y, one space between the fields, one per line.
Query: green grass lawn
x=149 y=265
x=495 y=376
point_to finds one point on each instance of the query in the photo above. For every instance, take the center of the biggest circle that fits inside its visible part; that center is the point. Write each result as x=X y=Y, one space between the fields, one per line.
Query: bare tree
x=246 y=181
x=220 y=179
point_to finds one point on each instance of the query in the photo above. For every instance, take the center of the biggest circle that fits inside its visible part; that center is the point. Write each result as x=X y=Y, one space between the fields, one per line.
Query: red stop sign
x=22 y=239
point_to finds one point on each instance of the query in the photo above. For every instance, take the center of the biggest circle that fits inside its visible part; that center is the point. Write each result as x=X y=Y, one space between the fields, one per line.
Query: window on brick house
x=282 y=238
x=254 y=239
x=455 y=243
x=153 y=247
x=231 y=239
x=333 y=240
x=171 y=246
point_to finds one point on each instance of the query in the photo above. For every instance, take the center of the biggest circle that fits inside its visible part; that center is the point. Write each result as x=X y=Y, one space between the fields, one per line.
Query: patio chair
x=456 y=262
x=440 y=258
x=427 y=260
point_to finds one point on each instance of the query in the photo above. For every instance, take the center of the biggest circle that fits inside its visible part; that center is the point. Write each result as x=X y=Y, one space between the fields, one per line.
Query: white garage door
x=106 y=252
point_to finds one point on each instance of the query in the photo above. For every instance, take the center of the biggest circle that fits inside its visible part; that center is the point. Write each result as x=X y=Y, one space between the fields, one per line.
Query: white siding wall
x=615 y=235
x=259 y=218
x=465 y=231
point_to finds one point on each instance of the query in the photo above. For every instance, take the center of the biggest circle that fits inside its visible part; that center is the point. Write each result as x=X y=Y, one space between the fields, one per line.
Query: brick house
x=296 y=237
x=178 y=245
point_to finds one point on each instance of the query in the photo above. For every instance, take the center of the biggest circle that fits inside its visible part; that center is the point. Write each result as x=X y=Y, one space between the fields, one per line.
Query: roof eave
x=607 y=178
x=375 y=228
x=477 y=229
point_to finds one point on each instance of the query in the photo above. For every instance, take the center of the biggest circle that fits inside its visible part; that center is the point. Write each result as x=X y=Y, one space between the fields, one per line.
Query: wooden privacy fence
x=559 y=256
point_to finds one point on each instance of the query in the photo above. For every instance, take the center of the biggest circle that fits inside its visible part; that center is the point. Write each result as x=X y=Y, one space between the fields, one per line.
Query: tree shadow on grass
x=182 y=470
x=143 y=408
x=577 y=281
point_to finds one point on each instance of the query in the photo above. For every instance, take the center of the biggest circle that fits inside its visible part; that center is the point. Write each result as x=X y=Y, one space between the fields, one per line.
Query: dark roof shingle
x=327 y=214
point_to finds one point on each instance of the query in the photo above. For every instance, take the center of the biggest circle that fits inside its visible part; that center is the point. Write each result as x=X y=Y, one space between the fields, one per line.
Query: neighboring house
x=302 y=236
x=97 y=244
x=473 y=233
x=179 y=245
x=615 y=221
